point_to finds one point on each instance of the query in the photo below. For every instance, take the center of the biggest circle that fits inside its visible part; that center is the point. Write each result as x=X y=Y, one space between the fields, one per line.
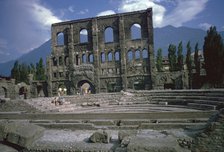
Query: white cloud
x=83 y=11
x=104 y=13
x=183 y=10
x=205 y=26
x=186 y=10
x=71 y=9
x=43 y=15
x=135 y=5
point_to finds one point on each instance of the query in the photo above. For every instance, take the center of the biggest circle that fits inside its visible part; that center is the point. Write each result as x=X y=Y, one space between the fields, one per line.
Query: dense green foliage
x=189 y=63
x=172 y=57
x=180 y=57
x=20 y=72
x=159 y=60
x=214 y=57
x=197 y=65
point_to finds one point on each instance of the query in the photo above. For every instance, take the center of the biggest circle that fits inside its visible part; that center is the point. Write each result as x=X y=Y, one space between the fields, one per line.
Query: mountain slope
x=169 y=34
x=32 y=57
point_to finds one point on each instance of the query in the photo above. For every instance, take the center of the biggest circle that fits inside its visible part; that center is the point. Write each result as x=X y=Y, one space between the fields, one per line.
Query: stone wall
x=123 y=62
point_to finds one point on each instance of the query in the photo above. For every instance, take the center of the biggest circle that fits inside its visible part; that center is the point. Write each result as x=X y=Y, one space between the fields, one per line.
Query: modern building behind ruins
x=108 y=57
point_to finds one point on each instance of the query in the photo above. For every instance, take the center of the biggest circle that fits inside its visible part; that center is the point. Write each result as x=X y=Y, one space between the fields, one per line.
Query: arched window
x=103 y=57
x=91 y=59
x=136 y=31
x=145 y=54
x=108 y=35
x=54 y=61
x=66 y=61
x=83 y=58
x=130 y=55
x=110 y=57
x=60 y=60
x=117 y=56
x=83 y=36
x=60 y=39
x=77 y=58
x=137 y=54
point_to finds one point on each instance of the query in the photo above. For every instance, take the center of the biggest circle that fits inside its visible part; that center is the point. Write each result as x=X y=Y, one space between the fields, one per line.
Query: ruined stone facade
x=120 y=63
x=8 y=89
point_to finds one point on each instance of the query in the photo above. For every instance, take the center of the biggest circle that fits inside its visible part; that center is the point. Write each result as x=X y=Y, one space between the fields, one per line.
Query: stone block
x=100 y=136
x=146 y=144
x=22 y=134
x=126 y=133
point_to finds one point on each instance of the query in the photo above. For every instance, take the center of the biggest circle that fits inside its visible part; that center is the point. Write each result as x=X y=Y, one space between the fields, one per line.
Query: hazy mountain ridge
x=162 y=38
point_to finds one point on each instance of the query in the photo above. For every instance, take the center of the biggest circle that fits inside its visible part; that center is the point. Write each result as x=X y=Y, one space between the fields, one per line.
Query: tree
x=172 y=57
x=189 y=63
x=40 y=70
x=213 y=54
x=180 y=57
x=159 y=60
x=15 y=71
x=197 y=65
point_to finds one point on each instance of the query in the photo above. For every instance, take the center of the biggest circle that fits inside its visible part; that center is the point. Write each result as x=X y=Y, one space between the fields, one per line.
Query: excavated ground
x=160 y=118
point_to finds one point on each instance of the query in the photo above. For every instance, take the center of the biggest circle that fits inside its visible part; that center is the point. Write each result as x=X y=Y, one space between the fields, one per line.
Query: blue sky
x=26 y=24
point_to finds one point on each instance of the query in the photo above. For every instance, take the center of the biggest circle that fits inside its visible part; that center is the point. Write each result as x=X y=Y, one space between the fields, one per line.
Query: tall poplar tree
x=189 y=63
x=159 y=60
x=180 y=57
x=172 y=57
x=214 y=54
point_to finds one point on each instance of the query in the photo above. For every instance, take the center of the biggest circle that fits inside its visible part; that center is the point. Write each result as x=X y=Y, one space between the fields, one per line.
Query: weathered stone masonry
x=121 y=63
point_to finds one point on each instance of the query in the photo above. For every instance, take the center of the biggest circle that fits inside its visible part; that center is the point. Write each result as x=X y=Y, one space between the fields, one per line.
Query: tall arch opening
x=91 y=59
x=77 y=60
x=103 y=57
x=108 y=35
x=86 y=87
x=83 y=36
x=145 y=54
x=3 y=92
x=117 y=56
x=137 y=54
x=23 y=92
x=130 y=55
x=60 y=38
x=136 y=31
x=110 y=56
x=83 y=58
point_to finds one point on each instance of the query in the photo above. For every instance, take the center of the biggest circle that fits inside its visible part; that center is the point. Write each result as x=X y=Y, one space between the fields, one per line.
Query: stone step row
x=190 y=97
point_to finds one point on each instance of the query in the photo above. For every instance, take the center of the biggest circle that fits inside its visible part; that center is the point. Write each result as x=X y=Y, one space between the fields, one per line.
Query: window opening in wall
x=54 y=61
x=110 y=57
x=83 y=36
x=77 y=59
x=66 y=61
x=83 y=58
x=108 y=35
x=136 y=31
x=60 y=39
x=137 y=54
x=60 y=60
x=130 y=55
x=117 y=56
x=55 y=75
x=145 y=54
x=60 y=74
x=91 y=59
x=103 y=58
